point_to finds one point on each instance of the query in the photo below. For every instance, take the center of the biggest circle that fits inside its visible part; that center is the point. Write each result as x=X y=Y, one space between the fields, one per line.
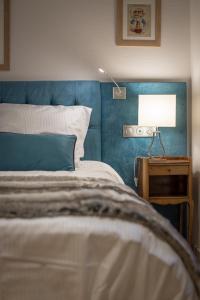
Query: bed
x=82 y=233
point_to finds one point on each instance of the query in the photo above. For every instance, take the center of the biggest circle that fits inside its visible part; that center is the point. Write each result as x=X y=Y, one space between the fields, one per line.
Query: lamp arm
x=113 y=81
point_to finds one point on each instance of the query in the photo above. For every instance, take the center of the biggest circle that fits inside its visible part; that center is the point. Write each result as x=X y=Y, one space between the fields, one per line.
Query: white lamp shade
x=157 y=110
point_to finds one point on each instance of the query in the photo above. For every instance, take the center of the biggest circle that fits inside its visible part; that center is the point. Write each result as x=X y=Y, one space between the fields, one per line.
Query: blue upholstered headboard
x=104 y=140
x=66 y=93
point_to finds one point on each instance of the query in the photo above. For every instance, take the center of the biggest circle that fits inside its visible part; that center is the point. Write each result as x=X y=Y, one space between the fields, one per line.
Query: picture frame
x=138 y=23
x=4 y=35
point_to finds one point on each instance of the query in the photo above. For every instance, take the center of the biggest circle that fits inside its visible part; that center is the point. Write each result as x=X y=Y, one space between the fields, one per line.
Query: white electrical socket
x=138 y=131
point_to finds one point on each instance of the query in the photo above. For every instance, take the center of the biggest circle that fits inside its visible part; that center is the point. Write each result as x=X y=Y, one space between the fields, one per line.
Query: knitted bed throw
x=47 y=196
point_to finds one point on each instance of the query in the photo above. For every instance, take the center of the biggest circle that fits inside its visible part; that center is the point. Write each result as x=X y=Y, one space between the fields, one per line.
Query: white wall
x=195 y=74
x=69 y=39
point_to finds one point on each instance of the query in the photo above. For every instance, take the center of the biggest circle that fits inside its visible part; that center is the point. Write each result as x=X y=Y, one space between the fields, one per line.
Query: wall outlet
x=119 y=93
x=138 y=131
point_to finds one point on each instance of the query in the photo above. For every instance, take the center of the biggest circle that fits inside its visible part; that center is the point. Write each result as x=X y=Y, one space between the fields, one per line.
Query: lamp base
x=119 y=93
x=158 y=134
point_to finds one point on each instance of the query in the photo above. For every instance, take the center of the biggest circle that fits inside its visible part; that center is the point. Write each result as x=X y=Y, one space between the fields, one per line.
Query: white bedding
x=38 y=119
x=87 y=258
x=87 y=168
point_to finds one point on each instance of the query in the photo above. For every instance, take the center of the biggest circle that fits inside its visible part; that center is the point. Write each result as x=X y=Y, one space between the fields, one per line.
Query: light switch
x=138 y=131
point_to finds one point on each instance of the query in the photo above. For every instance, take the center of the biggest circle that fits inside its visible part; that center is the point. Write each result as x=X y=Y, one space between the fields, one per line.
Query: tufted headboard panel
x=66 y=93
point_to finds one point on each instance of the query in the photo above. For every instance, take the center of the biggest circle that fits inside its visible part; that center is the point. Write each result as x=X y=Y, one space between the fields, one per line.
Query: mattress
x=87 y=257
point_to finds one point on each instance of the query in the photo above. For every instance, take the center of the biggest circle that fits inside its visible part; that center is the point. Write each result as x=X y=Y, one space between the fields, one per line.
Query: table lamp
x=159 y=111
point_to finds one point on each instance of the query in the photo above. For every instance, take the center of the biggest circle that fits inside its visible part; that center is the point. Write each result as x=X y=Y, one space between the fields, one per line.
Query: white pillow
x=37 y=119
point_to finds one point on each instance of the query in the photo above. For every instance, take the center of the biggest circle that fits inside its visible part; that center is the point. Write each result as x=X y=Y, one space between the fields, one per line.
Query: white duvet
x=87 y=168
x=87 y=258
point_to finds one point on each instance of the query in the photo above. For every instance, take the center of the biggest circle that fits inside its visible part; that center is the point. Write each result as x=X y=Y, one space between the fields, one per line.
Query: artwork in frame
x=4 y=34
x=138 y=23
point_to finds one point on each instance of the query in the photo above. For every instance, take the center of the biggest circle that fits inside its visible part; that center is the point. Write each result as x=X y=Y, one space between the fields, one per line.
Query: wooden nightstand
x=166 y=181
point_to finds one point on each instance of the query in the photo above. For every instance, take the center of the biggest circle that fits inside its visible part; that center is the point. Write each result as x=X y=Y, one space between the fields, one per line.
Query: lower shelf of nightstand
x=170 y=200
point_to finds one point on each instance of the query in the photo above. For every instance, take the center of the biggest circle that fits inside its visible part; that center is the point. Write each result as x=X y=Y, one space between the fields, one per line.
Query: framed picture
x=138 y=22
x=4 y=34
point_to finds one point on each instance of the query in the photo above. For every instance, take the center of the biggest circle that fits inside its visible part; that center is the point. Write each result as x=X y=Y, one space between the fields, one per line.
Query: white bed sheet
x=87 y=168
x=83 y=258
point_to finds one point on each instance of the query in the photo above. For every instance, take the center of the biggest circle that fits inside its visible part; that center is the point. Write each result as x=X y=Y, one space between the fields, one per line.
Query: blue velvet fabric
x=104 y=140
x=120 y=152
x=32 y=152
x=66 y=93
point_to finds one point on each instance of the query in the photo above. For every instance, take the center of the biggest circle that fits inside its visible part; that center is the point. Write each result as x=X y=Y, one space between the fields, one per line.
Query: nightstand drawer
x=168 y=170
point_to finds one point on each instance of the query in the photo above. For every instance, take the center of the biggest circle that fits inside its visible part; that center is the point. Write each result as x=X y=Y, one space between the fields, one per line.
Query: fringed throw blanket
x=45 y=196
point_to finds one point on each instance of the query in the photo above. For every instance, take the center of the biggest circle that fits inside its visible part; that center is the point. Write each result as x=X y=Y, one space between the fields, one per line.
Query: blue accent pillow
x=44 y=152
